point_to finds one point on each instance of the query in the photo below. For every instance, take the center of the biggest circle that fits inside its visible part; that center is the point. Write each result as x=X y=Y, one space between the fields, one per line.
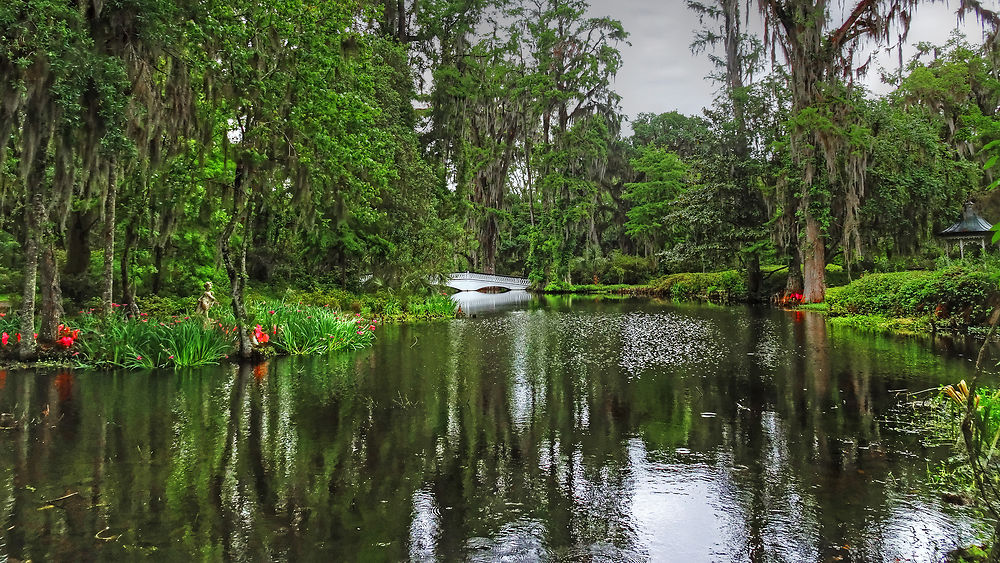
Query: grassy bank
x=167 y=333
x=956 y=298
x=727 y=286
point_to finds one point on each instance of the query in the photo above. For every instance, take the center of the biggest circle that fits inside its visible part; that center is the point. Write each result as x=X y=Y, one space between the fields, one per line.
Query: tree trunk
x=754 y=278
x=488 y=233
x=131 y=308
x=814 y=263
x=157 y=268
x=34 y=214
x=107 y=296
x=236 y=267
x=794 y=283
x=51 y=309
x=78 y=244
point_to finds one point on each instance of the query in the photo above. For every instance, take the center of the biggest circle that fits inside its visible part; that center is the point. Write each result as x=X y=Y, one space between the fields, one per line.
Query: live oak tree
x=819 y=41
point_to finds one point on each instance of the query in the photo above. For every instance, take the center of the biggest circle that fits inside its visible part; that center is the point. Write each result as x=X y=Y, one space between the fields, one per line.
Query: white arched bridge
x=472 y=281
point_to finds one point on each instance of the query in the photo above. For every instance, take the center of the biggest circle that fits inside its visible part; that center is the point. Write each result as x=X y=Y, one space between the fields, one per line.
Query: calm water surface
x=569 y=429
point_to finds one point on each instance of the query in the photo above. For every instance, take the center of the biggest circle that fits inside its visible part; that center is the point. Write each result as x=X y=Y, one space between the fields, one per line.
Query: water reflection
x=475 y=302
x=597 y=429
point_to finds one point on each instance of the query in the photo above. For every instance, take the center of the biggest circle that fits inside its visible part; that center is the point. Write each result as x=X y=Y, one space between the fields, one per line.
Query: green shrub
x=626 y=269
x=381 y=304
x=335 y=298
x=955 y=297
x=726 y=286
x=434 y=306
x=161 y=307
x=191 y=344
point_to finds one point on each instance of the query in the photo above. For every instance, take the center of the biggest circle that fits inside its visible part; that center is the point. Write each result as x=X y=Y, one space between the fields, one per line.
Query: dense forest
x=148 y=146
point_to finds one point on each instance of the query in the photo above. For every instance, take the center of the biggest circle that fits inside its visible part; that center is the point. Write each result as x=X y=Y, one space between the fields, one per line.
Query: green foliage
x=664 y=175
x=880 y=323
x=955 y=297
x=673 y=132
x=970 y=554
x=145 y=343
x=302 y=330
x=434 y=306
x=190 y=344
x=10 y=324
x=157 y=306
x=726 y=286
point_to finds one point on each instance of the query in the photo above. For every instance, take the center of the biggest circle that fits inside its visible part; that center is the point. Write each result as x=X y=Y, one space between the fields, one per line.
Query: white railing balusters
x=503 y=281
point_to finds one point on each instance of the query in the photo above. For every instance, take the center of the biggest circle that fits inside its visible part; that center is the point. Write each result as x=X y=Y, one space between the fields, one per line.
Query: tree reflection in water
x=600 y=428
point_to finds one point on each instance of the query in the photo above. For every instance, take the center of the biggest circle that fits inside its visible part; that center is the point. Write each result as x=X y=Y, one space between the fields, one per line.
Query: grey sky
x=659 y=73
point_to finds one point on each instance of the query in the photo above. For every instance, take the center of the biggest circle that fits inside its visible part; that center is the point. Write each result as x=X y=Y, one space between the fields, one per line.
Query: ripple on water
x=651 y=340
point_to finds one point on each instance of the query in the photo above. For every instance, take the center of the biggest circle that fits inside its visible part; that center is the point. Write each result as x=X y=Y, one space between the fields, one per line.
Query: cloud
x=660 y=74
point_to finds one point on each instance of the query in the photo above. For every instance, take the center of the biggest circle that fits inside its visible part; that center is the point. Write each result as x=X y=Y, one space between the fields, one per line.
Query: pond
x=539 y=428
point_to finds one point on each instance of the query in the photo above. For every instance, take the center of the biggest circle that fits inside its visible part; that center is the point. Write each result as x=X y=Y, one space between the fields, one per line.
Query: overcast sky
x=659 y=73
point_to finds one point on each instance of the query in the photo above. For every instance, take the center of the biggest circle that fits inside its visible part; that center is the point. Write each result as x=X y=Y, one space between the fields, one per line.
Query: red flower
x=260 y=335
x=66 y=341
x=18 y=335
x=4 y=339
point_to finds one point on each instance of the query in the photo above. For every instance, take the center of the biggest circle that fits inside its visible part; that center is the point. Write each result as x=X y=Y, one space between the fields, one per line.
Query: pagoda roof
x=971 y=225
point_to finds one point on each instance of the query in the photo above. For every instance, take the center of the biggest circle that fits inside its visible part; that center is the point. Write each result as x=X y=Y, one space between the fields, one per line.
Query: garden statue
x=206 y=301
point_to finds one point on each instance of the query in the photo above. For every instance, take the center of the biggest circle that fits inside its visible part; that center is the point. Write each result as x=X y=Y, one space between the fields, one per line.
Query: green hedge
x=726 y=286
x=956 y=297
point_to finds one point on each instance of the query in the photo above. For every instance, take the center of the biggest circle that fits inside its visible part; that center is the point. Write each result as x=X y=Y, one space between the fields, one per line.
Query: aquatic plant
x=432 y=307
x=142 y=343
x=980 y=430
x=301 y=329
x=191 y=344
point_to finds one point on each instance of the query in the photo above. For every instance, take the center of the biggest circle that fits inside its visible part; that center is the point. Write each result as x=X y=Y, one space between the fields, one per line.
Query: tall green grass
x=141 y=343
x=302 y=329
x=435 y=306
x=190 y=344
x=183 y=341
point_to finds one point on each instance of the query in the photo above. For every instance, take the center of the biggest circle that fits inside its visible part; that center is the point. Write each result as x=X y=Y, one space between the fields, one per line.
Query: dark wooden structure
x=971 y=228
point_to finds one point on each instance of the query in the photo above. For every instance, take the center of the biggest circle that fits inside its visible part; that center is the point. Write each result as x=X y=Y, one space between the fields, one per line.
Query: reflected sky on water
x=558 y=429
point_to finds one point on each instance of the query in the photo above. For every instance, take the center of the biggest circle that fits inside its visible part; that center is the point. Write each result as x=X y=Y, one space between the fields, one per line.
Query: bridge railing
x=490 y=278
